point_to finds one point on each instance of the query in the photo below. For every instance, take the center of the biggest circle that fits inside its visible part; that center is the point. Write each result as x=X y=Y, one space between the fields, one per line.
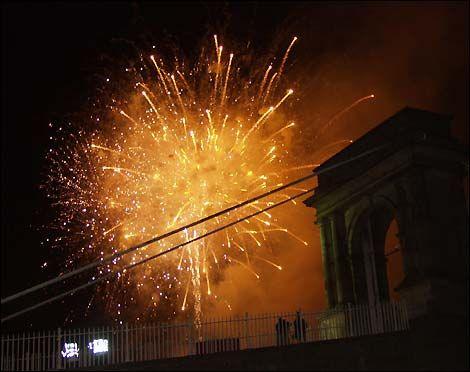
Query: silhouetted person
x=282 y=332
x=300 y=328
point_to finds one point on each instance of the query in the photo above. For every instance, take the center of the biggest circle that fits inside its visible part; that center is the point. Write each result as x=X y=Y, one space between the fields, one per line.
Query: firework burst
x=181 y=143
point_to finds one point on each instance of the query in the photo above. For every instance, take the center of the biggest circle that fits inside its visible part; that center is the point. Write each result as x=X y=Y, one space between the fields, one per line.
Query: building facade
x=408 y=169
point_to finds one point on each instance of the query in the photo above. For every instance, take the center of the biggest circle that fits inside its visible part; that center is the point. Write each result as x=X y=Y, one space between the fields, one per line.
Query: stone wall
x=413 y=350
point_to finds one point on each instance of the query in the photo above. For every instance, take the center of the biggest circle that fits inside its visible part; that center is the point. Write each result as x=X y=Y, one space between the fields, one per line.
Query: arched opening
x=376 y=259
x=394 y=260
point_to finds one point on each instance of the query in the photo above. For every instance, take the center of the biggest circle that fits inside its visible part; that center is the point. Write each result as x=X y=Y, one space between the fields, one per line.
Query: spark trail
x=169 y=145
x=184 y=143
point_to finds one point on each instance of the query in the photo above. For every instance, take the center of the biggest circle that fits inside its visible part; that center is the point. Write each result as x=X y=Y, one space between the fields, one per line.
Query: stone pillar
x=336 y=252
x=405 y=228
x=344 y=286
x=326 y=256
x=370 y=261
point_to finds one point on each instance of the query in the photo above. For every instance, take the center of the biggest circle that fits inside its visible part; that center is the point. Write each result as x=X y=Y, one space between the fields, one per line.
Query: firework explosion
x=181 y=144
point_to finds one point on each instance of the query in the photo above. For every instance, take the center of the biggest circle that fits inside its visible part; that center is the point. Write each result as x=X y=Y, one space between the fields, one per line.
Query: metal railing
x=86 y=347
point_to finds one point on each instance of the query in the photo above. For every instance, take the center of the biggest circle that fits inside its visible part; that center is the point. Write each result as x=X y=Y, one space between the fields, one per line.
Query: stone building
x=409 y=170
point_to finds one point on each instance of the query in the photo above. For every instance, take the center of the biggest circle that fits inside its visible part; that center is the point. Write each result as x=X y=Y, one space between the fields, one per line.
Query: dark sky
x=409 y=53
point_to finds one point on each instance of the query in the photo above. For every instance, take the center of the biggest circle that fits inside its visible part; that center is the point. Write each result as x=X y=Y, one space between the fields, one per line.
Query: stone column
x=325 y=254
x=406 y=222
x=344 y=286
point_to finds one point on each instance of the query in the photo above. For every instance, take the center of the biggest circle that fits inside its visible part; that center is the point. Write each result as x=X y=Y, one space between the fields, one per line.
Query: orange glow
x=172 y=152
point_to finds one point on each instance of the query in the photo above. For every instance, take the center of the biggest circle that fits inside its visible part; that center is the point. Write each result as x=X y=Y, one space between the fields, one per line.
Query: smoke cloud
x=407 y=54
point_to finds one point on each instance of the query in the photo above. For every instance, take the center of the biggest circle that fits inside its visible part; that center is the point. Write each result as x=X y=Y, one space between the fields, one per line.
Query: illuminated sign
x=70 y=350
x=99 y=346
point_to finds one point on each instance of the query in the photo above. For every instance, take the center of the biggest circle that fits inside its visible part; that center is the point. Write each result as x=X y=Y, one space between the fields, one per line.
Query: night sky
x=408 y=54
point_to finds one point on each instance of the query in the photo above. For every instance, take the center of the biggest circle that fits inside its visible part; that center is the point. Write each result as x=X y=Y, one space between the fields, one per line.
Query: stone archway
x=394 y=261
x=368 y=258
x=412 y=174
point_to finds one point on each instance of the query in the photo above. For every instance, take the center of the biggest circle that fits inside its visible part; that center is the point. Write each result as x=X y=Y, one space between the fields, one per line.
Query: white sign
x=70 y=350
x=99 y=346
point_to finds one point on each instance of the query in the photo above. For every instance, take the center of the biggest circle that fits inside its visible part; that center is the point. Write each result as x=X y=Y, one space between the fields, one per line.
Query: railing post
x=127 y=342
x=59 y=348
x=190 y=339
x=348 y=320
x=303 y=327
x=405 y=315
x=1 y=355
x=246 y=331
x=7 y=354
